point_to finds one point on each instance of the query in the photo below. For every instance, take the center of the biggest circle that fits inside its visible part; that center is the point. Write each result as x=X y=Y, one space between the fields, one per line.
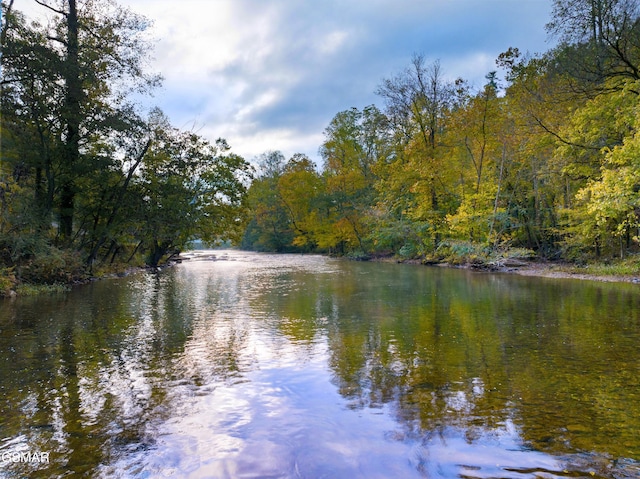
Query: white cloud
x=271 y=74
x=474 y=65
x=262 y=100
x=331 y=43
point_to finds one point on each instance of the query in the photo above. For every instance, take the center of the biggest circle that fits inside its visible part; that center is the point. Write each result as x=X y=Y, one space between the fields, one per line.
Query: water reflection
x=302 y=366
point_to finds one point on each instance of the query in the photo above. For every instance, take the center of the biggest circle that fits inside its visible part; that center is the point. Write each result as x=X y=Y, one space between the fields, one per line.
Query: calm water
x=261 y=366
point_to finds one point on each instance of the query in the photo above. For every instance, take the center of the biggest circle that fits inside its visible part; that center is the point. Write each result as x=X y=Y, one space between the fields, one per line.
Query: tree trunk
x=72 y=109
x=119 y=197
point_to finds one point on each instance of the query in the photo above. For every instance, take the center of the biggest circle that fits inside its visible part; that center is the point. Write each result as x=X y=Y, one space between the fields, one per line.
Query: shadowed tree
x=69 y=82
x=600 y=40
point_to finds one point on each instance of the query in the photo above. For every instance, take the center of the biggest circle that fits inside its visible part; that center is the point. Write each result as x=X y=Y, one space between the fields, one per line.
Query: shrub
x=56 y=267
x=462 y=252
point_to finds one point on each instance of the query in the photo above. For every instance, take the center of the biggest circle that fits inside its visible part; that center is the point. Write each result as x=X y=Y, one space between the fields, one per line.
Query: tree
x=83 y=176
x=600 y=40
x=300 y=189
x=188 y=189
x=606 y=216
x=547 y=163
x=353 y=143
x=68 y=83
x=28 y=121
x=269 y=228
x=102 y=208
x=538 y=184
x=475 y=129
x=287 y=202
x=418 y=101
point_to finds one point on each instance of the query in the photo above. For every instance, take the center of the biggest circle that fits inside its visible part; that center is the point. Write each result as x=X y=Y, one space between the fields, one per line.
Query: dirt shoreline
x=543 y=270
x=540 y=269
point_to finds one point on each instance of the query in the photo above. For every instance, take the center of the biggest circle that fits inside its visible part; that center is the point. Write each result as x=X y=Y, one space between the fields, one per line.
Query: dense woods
x=88 y=179
x=545 y=161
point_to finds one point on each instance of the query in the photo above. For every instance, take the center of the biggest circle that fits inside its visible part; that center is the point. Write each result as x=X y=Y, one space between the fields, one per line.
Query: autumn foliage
x=546 y=160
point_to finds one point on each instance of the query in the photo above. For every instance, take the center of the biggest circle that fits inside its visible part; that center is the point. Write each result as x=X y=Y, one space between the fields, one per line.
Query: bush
x=358 y=255
x=462 y=252
x=629 y=266
x=56 y=267
x=519 y=253
x=408 y=250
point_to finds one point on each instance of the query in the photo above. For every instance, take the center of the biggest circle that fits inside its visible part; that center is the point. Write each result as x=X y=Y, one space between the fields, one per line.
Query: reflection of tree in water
x=91 y=378
x=551 y=357
x=92 y=375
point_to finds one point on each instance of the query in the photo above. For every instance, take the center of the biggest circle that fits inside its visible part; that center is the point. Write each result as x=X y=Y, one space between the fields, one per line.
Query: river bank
x=568 y=271
x=537 y=268
x=531 y=267
x=12 y=287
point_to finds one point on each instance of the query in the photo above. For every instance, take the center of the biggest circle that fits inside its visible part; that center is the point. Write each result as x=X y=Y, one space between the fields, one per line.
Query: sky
x=271 y=74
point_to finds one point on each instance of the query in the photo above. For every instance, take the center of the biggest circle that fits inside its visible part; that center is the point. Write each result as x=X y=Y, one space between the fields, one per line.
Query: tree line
x=88 y=178
x=546 y=161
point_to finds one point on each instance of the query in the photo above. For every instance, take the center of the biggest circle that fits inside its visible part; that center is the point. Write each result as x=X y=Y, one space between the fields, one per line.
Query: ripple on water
x=244 y=365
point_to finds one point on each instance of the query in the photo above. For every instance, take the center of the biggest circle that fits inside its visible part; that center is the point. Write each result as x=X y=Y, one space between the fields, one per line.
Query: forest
x=89 y=182
x=544 y=162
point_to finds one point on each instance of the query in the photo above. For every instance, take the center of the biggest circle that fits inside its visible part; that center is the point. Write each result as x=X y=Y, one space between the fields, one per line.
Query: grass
x=40 y=289
x=629 y=266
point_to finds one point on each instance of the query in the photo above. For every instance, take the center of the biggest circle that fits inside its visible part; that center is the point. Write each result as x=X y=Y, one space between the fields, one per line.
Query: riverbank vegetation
x=543 y=163
x=89 y=182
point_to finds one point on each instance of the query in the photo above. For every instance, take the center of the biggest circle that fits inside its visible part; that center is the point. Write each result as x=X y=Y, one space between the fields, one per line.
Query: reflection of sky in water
x=272 y=411
x=284 y=420
x=249 y=391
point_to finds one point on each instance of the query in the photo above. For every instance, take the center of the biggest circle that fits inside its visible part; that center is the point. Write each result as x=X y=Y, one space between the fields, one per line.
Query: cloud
x=271 y=74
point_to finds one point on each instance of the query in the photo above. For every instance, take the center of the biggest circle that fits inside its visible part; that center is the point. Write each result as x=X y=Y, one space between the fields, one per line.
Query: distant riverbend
x=236 y=364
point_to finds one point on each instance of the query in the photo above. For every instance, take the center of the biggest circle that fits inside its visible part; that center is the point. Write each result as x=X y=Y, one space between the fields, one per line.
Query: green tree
x=102 y=209
x=287 y=203
x=66 y=85
x=352 y=147
x=418 y=101
x=606 y=216
x=475 y=128
x=188 y=189
x=300 y=190
x=537 y=182
x=269 y=228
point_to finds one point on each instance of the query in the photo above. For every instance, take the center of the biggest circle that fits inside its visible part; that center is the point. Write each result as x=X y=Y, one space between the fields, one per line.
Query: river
x=244 y=365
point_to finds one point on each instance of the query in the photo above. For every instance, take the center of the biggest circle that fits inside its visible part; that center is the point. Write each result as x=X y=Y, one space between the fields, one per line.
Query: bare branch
x=61 y=12
x=56 y=39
